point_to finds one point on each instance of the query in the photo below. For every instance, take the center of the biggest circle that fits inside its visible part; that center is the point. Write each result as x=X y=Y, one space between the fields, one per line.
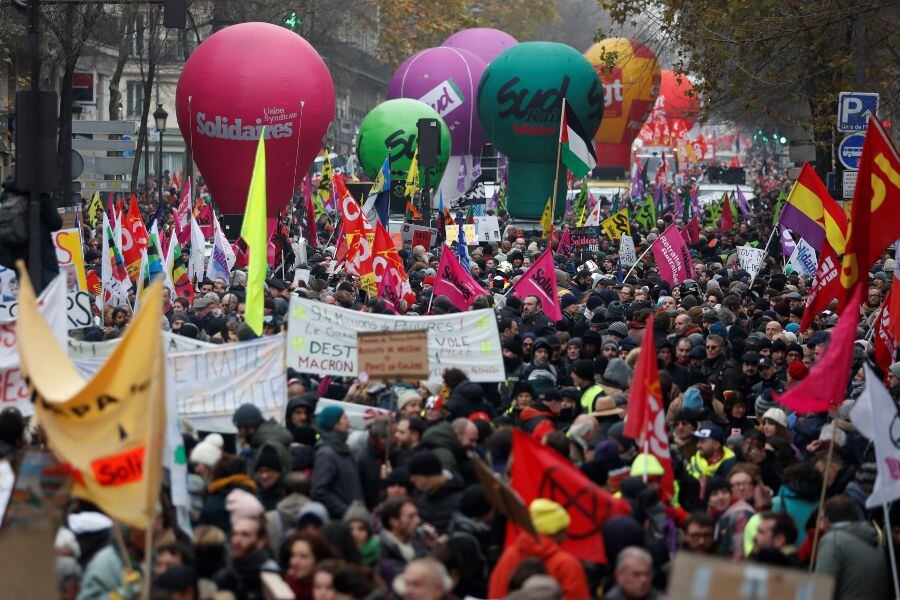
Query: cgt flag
x=539 y=472
x=875 y=416
x=540 y=280
x=109 y=429
x=673 y=257
x=455 y=282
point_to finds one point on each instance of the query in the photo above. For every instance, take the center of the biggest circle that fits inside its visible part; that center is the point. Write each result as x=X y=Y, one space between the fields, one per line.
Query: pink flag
x=455 y=282
x=824 y=386
x=540 y=280
x=390 y=289
x=673 y=257
x=694 y=229
x=183 y=214
x=565 y=244
x=685 y=235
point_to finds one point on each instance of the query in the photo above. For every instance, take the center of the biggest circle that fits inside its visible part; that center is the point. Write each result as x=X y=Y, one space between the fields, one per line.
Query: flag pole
x=891 y=550
x=815 y=544
x=562 y=115
x=639 y=258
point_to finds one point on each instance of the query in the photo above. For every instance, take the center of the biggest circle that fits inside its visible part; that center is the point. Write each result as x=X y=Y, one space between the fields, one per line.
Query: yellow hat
x=646 y=463
x=549 y=517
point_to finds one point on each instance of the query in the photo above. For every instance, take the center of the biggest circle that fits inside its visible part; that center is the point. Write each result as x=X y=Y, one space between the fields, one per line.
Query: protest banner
x=585 y=239
x=803 y=259
x=627 y=253
x=172 y=342
x=322 y=340
x=52 y=307
x=418 y=235
x=77 y=309
x=700 y=577
x=673 y=257
x=451 y=233
x=359 y=415
x=393 y=354
x=751 y=259
x=488 y=229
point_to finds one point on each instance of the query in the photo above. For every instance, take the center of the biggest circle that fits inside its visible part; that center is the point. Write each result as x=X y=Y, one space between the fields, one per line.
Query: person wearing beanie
x=439 y=490
x=796 y=371
x=583 y=376
x=335 y=479
x=470 y=536
x=300 y=410
x=254 y=431
x=359 y=520
x=206 y=454
x=616 y=377
x=271 y=464
x=551 y=522
x=409 y=404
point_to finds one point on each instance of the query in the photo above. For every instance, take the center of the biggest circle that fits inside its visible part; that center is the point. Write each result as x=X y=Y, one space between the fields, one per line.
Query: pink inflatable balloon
x=239 y=80
x=484 y=42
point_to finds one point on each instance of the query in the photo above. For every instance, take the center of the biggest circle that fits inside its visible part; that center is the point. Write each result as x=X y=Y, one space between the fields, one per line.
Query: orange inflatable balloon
x=630 y=87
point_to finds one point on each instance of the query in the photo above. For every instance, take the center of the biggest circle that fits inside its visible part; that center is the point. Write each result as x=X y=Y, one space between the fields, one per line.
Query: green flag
x=253 y=231
x=782 y=196
x=581 y=200
x=646 y=214
x=713 y=212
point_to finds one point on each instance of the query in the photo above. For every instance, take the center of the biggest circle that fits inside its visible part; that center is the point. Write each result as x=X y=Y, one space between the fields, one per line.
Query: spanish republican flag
x=811 y=212
x=876 y=204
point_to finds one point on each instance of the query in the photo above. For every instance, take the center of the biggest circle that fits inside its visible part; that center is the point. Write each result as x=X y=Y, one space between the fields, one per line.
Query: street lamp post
x=160 y=115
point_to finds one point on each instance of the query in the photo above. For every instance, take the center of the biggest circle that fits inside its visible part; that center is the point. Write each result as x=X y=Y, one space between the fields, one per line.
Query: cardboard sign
x=451 y=233
x=585 y=239
x=393 y=354
x=488 y=229
x=696 y=577
x=408 y=233
x=421 y=238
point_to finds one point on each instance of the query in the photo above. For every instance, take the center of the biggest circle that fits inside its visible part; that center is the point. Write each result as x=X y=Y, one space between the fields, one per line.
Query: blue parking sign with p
x=854 y=109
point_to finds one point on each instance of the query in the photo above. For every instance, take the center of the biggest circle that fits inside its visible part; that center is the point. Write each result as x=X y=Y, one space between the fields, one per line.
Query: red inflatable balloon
x=675 y=101
x=240 y=79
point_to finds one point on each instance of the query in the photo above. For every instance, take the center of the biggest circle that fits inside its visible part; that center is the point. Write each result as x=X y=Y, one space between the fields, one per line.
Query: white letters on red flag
x=386 y=259
x=455 y=282
x=825 y=286
x=673 y=257
x=540 y=280
x=389 y=290
x=645 y=421
x=885 y=348
x=360 y=237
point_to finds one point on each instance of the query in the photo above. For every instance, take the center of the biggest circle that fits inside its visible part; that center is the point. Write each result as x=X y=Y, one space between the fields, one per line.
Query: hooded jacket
x=442 y=441
x=799 y=499
x=214 y=511
x=850 y=553
x=335 y=479
x=437 y=507
x=561 y=566
x=465 y=399
x=532 y=416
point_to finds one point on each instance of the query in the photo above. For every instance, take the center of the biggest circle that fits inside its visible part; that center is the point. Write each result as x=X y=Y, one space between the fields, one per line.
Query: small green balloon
x=520 y=97
x=392 y=126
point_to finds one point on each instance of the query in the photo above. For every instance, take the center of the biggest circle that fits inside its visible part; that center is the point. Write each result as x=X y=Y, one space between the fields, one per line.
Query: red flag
x=565 y=244
x=387 y=257
x=726 y=222
x=134 y=239
x=539 y=472
x=826 y=285
x=646 y=416
x=894 y=306
x=876 y=203
x=885 y=348
x=360 y=236
x=390 y=288
x=540 y=280
x=823 y=388
x=694 y=229
x=183 y=214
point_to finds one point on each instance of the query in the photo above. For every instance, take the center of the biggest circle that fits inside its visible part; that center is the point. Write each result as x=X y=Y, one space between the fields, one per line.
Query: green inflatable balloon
x=392 y=127
x=519 y=102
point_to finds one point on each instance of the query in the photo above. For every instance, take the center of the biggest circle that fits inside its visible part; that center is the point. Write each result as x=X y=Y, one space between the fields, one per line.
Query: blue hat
x=692 y=399
x=328 y=418
x=718 y=329
x=792 y=327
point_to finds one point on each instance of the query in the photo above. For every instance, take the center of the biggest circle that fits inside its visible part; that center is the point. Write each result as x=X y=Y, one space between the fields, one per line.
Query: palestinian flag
x=576 y=149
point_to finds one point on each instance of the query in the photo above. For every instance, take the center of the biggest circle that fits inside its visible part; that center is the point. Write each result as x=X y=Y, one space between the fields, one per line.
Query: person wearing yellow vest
x=713 y=457
x=583 y=377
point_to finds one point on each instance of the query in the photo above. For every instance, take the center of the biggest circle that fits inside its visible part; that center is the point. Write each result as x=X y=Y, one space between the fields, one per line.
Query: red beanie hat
x=797 y=370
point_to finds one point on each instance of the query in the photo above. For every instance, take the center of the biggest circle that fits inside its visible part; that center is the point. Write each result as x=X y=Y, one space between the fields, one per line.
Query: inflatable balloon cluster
x=241 y=81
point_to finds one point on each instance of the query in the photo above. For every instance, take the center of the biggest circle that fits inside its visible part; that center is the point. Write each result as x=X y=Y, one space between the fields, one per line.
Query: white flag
x=115 y=291
x=593 y=219
x=222 y=258
x=626 y=251
x=885 y=432
x=803 y=260
x=751 y=259
x=196 y=269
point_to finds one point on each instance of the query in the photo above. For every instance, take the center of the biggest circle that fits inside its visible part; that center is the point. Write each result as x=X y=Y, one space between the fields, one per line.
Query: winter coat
x=242 y=577
x=529 y=418
x=273 y=432
x=335 y=479
x=441 y=440
x=471 y=540
x=283 y=519
x=392 y=561
x=799 y=500
x=539 y=324
x=730 y=529
x=465 y=399
x=104 y=576
x=850 y=552
x=214 y=511
x=560 y=565
x=722 y=373
x=438 y=506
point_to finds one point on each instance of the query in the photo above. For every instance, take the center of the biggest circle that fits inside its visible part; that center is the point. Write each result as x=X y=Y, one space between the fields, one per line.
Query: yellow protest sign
x=109 y=429
x=617 y=224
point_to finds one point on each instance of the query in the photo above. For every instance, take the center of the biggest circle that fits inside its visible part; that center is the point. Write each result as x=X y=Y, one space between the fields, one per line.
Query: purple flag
x=495 y=199
x=787 y=242
x=679 y=204
x=637 y=183
x=461 y=176
x=476 y=168
x=673 y=257
x=695 y=202
x=742 y=202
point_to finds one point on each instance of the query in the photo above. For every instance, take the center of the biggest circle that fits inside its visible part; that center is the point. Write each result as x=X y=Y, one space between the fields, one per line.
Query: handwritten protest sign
x=416 y=235
x=393 y=354
x=626 y=251
x=451 y=233
x=322 y=339
x=585 y=239
x=751 y=259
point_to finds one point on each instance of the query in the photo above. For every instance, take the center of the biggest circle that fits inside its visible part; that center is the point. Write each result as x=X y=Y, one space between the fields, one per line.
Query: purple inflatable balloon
x=447 y=80
x=484 y=42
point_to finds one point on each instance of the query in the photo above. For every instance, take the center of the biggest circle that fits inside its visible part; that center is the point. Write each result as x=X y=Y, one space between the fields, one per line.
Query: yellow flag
x=412 y=176
x=617 y=224
x=547 y=219
x=253 y=230
x=109 y=429
x=93 y=207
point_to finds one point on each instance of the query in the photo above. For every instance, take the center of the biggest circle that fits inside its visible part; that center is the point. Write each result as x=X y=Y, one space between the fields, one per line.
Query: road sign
x=849 y=183
x=102 y=145
x=104 y=127
x=854 y=109
x=118 y=185
x=850 y=150
x=108 y=165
